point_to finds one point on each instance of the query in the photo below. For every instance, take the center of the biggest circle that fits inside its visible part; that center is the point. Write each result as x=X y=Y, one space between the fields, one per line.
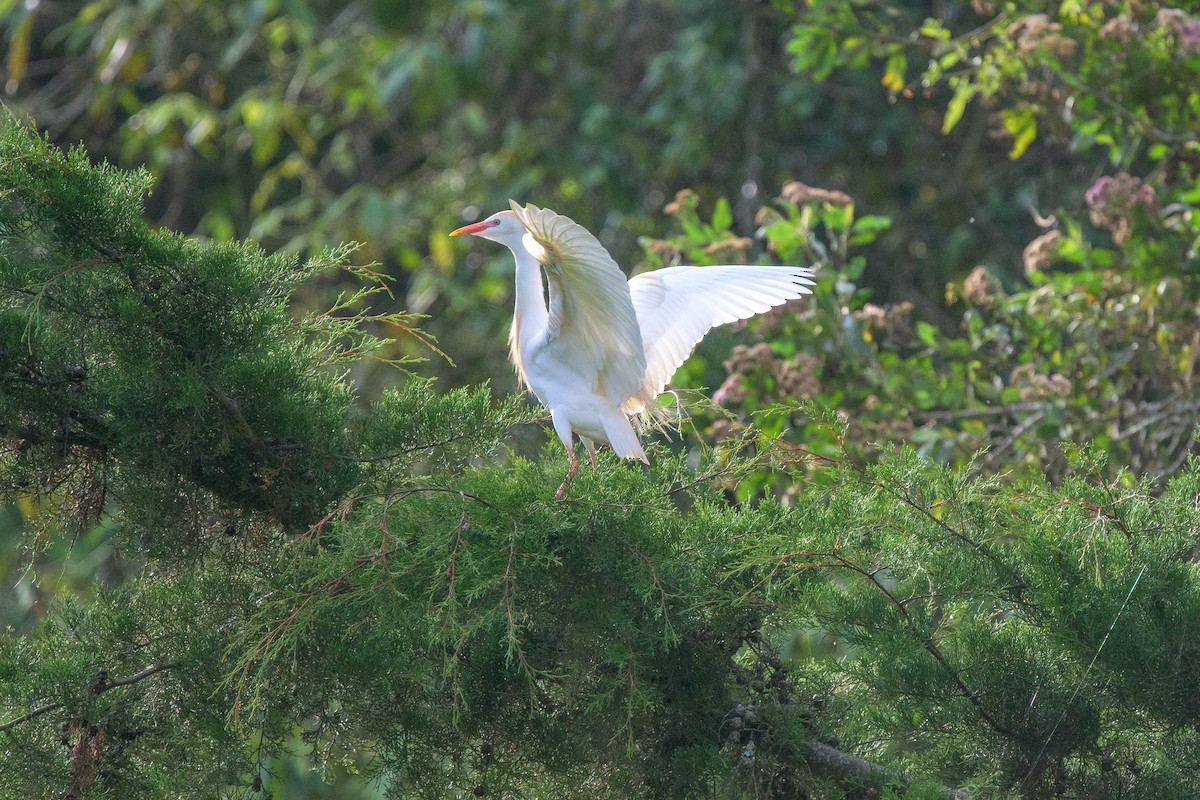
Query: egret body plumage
x=604 y=347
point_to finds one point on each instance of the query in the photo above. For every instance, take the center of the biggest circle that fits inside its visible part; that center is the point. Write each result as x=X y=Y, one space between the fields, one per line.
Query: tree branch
x=833 y=764
x=135 y=677
x=101 y=686
x=954 y=415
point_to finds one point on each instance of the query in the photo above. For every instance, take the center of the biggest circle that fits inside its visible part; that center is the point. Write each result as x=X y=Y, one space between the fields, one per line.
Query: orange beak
x=474 y=227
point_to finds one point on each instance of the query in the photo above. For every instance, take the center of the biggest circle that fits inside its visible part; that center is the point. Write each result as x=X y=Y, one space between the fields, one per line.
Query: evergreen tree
x=389 y=592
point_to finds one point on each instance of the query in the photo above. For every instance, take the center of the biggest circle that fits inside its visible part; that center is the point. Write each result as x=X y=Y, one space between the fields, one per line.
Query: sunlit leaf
x=893 y=76
x=722 y=215
x=18 y=53
x=958 y=104
x=1021 y=124
x=927 y=333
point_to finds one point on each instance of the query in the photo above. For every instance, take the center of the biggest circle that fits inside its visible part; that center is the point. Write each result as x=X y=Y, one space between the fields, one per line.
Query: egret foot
x=562 y=490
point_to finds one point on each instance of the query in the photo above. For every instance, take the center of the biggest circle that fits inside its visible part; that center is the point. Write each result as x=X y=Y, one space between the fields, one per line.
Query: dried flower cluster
x=797 y=376
x=889 y=324
x=1041 y=252
x=684 y=198
x=981 y=287
x=1121 y=29
x=794 y=377
x=800 y=193
x=744 y=359
x=1036 y=30
x=734 y=247
x=1113 y=200
x=1036 y=386
x=731 y=392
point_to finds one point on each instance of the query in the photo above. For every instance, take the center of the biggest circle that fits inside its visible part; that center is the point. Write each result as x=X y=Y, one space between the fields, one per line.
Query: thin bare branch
x=100 y=687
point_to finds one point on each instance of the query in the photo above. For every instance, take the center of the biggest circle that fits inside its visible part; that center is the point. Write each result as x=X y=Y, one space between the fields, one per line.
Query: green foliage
x=1019 y=378
x=428 y=620
x=1020 y=604
x=136 y=361
x=1095 y=344
x=382 y=596
x=1128 y=68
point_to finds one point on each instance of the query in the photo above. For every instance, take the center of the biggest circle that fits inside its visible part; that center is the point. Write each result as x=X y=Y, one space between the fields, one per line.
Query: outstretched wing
x=591 y=313
x=677 y=306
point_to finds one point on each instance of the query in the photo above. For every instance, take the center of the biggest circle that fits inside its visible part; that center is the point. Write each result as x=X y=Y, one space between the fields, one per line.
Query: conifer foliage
x=388 y=593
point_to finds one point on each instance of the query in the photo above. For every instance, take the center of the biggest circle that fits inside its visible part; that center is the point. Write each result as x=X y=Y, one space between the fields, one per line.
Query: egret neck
x=530 y=316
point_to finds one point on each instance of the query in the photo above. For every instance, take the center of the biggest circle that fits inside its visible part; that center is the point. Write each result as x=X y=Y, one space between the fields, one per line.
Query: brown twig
x=1015 y=433
x=708 y=476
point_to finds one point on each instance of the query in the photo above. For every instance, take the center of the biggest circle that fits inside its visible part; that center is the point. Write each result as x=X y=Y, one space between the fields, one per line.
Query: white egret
x=605 y=347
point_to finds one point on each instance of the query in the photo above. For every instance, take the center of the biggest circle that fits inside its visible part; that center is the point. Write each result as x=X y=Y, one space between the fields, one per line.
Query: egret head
x=502 y=227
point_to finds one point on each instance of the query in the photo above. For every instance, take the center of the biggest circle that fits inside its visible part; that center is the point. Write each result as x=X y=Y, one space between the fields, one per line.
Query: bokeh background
x=301 y=124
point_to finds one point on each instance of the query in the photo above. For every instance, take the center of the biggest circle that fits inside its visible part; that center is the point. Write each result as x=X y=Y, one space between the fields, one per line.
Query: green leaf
x=957 y=105
x=1021 y=123
x=854 y=268
x=867 y=228
x=1191 y=196
x=893 y=76
x=782 y=234
x=1070 y=249
x=934 y=29
x=927 y=333
x=722 y=216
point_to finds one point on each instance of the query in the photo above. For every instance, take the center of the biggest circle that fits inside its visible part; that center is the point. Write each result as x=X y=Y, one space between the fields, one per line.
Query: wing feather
x=677 y=306
x=591 y=311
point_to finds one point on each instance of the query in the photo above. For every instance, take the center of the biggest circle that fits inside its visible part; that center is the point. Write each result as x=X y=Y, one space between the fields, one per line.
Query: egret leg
x=591 y=448
x=563 y=428
x=562 y=490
